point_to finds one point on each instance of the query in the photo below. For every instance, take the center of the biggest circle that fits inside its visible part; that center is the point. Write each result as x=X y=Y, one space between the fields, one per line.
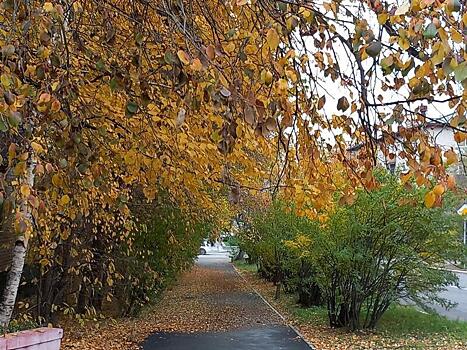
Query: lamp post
x=462 y=211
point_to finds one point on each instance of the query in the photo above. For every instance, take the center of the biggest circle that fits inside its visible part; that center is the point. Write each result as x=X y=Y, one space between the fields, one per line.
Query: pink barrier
x=34 y=339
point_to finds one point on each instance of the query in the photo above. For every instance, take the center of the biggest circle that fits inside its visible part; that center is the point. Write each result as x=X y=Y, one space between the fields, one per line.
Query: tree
x=99 y=97
x=264 y=239
x=384 y=247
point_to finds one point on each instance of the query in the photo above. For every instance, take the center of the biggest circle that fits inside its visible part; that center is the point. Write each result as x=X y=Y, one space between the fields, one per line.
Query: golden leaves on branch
x=451 y=157
x=273 y=39
x=439 y=189
x=430 y=199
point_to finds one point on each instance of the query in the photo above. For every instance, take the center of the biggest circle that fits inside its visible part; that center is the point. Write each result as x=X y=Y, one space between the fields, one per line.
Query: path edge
x=283 y=318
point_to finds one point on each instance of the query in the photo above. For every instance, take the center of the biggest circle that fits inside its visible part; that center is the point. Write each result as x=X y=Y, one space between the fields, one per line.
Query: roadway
x=456 y=294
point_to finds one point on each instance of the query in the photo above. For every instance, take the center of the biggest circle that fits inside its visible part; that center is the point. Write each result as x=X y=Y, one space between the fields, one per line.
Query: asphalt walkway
x=457 y=295
x=241 y=320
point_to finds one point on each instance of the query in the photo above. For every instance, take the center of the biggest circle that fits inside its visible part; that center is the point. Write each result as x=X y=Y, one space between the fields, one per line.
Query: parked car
x=205 y=248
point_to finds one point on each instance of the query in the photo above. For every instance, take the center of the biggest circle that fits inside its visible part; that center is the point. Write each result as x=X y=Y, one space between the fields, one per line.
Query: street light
x=463 y=212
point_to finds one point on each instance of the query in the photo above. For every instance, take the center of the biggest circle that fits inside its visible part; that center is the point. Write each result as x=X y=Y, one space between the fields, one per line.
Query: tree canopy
x=101 y=98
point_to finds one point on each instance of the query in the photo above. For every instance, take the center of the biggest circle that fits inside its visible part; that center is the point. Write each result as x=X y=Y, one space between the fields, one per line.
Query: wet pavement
x=457 y=295
x=258 y=327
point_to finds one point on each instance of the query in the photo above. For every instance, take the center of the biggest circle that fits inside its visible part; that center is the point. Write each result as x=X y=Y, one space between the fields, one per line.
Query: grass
x=244 y=266
x=313 y=315
x=400 y=320
x=398 y=323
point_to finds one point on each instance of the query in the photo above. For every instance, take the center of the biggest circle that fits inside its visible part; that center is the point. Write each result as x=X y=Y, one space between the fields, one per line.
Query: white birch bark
x=10 y=292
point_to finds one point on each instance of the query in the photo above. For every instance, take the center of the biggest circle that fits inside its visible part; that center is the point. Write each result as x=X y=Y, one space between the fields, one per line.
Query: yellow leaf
x=306 y=13
x=291 y=75
x=20 y=168
x=183 y=57
x=406 y=177
x=404 y=43
x=197 y=65
x=439 y=189
x=439 y=56
x=48 y=7
x=25 y=190
x=36 y=147
x=430 y=199
x=456 y=36
x=460 y=136
x=266 y=77
x=5 y=80
x=57 y=180
x=413 y=82
x=382 y=18
x=110 y=281
x=230 y=47
x=273 y=39
x=451 y=157
x=64 y=200
x=282 y=84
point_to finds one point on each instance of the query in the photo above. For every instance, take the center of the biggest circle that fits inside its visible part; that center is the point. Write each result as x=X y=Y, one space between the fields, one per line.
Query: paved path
x=457 y=295
x=255 y=327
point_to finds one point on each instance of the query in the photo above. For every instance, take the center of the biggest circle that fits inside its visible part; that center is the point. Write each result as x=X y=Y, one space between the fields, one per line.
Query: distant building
x=441 y=134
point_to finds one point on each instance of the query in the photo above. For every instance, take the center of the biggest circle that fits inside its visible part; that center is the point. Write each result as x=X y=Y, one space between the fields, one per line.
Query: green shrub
x=21 y=325
x=265 y=239
x=165 y=245
x=383 y=248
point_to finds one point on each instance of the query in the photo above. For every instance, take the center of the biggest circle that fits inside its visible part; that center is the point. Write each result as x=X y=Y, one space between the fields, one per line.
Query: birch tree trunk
x=13 y=281
x=10 y=292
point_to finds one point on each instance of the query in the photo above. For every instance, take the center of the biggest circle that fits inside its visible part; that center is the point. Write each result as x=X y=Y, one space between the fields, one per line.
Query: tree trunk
x=277 y=294
x=13 y=281
x=10 y=292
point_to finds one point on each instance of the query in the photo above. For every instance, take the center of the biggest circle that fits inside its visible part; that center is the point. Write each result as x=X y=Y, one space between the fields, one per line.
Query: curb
x=301 y=336
x=456 y=271
x=450 y=270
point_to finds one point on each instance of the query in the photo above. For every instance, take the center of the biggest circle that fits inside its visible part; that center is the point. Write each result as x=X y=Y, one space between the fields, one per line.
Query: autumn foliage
x=111 y=103
x=381 y=250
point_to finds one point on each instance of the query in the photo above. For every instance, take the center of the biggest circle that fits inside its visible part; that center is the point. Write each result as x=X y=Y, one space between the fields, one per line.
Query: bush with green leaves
x=21 y=325
x=166 y=244
x=385 y=247
x=264 y=239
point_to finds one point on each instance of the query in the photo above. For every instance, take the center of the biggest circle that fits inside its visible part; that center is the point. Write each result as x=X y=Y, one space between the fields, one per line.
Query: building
x=441 y=134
